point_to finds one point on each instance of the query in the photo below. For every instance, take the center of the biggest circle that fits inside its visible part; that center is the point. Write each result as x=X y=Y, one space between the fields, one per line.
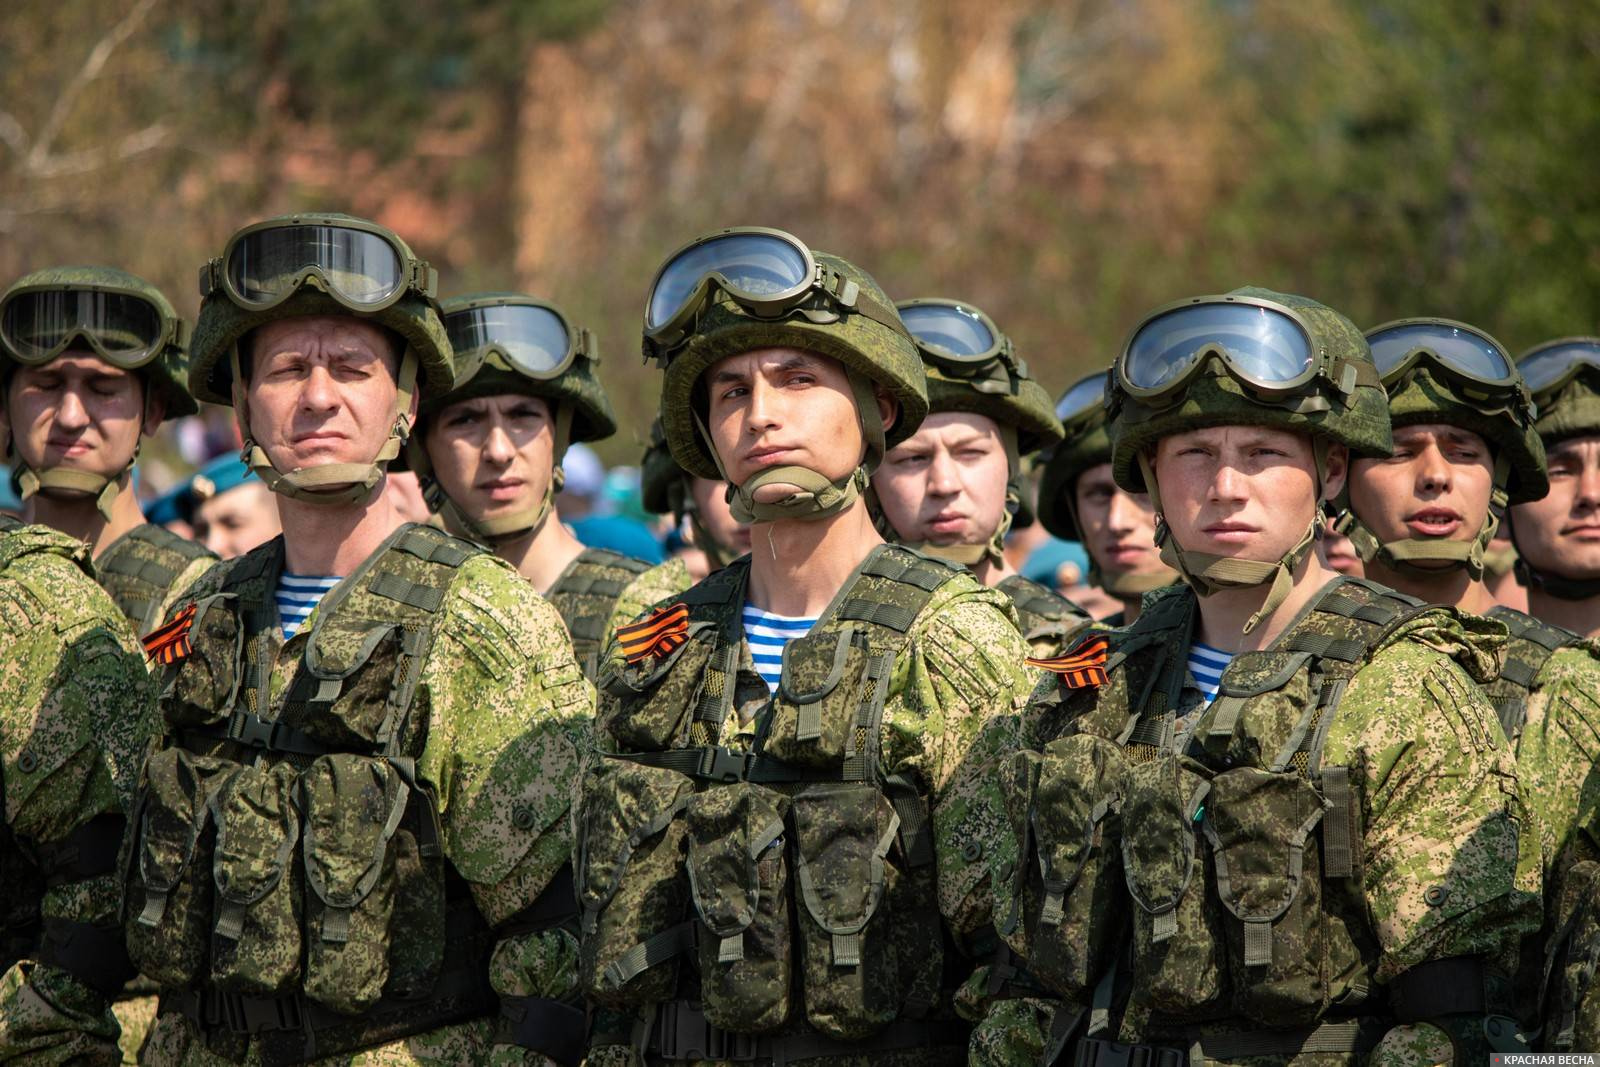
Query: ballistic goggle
x=363 y=266
x=1083 y=400
x=1471 y=357
x=121 y=326
x=962 y=340
x=768 y=273
x=1263 y=345
x=1555 y=363
x=532 y=337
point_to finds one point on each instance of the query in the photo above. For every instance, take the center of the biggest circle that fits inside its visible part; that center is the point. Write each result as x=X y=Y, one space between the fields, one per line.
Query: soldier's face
x=232 y=523
x=711 y=504
x=1436 y=486
x=946 y=483
x=1561 y=534
x=493 y=455
x=1244 y=492
x=78 y=412
x=1118 y=527
x=781 y=407
x=322 y=390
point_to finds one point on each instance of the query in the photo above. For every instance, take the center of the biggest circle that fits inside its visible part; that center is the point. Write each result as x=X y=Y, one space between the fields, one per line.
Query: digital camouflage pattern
x=506 y=712
x=76 y=710
x=1444 y=863
x=650 y=588
x=586 y=594
x=147 y=570
x=1050 y=622
x=812 y=851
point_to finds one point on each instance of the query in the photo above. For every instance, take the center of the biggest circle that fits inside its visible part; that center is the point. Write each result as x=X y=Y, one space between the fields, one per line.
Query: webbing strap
x=152 y=571
x=714 y=763
x=1338 y=860
x=892 y=616
x=431 y=546
x=909 y=570
x=1519 y=672
x=641 y=957
x=393 y=587
x=1344 y=649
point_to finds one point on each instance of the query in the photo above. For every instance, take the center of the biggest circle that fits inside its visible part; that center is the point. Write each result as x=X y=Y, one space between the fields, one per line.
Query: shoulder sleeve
x=187 y=578
x=1559 y=750
x=1450 y=862
x=659 y=583
x=508 y=707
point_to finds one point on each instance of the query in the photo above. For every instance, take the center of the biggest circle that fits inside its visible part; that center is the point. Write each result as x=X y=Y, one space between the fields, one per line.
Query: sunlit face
x=946 y=483
x=322 y=390
x=1244 y=492
x=712 y=510
x=404 y=492
x=1436 y=486
x=1340 y=555
x=1118 y=528
x=782 y=407
x=232 y=523
x=78 y=412
x=1560 y=534
x=494 y=456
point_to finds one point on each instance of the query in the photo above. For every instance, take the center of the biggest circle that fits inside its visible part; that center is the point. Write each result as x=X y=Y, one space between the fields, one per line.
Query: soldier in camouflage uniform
x=952 y=489
x=76 y=710
x=93 y=356
x=1558 y=537
x=489 y=452
x=353 y=842
x=698 y=503
x=770 y=818
x=1466 y=444
x=1080 y=501
x=1326 y=863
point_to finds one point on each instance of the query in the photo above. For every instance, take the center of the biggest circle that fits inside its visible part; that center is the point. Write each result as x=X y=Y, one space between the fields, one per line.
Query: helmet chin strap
x=816 y=496
x=1554 y=584
x=1208 y=573
x=994 y=549
x=498 y=529
x=332 y=484
x=1408 y=553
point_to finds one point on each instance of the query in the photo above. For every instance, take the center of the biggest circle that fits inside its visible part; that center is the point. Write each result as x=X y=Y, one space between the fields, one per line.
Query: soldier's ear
x=888 y=407
x=1337 y=471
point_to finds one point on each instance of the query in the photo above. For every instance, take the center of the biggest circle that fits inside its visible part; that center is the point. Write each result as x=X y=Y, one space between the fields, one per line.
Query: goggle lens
x=1266 y=346
x=753 y=265
x=265 y=265
x=1089 y=393
x=38 y=325
x=1471 y=353
x=533 y=338
x=1547 y=367
x=951 y=330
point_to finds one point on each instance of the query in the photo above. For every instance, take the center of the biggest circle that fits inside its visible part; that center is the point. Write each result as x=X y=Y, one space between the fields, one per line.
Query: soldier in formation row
x=841 y=788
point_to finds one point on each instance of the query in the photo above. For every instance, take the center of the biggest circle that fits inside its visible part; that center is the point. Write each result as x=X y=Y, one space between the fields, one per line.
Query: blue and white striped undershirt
x=297 y=595
x=1206 y=665
x=767 y=634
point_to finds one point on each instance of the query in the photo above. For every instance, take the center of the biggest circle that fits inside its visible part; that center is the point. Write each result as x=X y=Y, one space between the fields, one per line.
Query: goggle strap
x=210 y=277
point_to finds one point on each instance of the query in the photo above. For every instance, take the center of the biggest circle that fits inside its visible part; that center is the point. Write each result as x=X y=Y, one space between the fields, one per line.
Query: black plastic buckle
x=720 y=765
x=1093 y=1052
x=683 y=1033
x=254 y=1015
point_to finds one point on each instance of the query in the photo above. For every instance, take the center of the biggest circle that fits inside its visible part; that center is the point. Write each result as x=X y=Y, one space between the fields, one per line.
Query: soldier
x=698 y=503
x=229 y=508
x=354 y=837
x=772 y=740
x=952 y=489
x=1558 y=536
x=93 y=360
x=76 y=709
x=1273 y=820
x=490 y=452
x=1080 y=501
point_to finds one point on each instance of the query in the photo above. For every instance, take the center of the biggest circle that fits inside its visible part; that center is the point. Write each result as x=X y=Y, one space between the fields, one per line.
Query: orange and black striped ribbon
x=1080 y=667
x=656 y=635
x=170 y=643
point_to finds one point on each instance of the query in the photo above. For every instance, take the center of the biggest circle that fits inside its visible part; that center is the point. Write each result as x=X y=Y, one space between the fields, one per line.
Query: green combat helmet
x=1439 y=371
x=119 y=317
x=1251 y=358
x=508 y=343
x=1564 y=378
x=748 y=288
x=296 y=266
x=1086 y=444
x=972 y=367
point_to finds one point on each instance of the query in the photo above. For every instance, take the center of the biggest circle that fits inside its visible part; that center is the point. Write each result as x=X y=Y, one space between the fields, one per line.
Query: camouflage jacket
x=824 y=787
x=1286 y=871
x=427 y=716
x=76 y=711
x=647 y=590
x=585 y=596
x=147 y=569
x=1049 y=621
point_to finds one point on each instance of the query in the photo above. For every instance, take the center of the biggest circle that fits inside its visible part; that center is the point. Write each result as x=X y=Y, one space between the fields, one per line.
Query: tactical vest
x=797 y=874
x=584 y=597
x=1532 y=643
x=1048 y=619
x=1220 y=882
x=138 y=570
x=287 y=879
